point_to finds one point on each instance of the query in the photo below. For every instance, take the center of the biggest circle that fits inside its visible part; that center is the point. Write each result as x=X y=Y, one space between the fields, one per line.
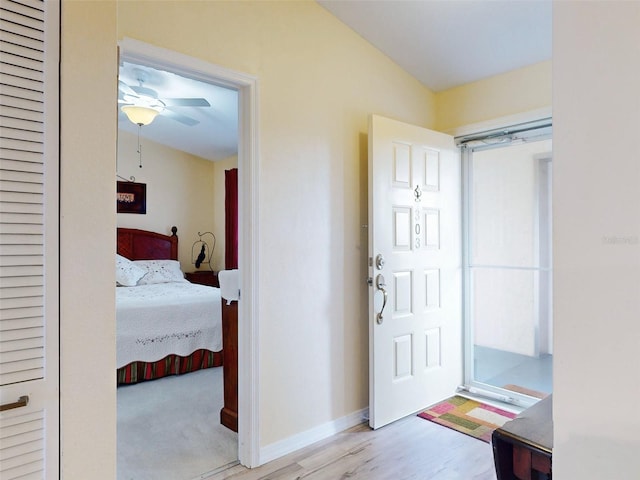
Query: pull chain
x=139 y=147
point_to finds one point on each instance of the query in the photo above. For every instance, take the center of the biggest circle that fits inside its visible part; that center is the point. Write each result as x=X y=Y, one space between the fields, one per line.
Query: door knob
x=380 y=286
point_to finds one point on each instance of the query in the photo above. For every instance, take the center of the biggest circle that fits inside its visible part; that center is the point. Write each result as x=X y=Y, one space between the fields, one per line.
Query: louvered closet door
x=29 y=44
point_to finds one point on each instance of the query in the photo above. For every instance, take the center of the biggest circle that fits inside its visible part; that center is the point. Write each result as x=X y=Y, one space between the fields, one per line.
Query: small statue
x=201 y=257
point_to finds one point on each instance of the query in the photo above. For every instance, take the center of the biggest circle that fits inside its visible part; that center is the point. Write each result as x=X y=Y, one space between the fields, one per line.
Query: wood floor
x=411 y=448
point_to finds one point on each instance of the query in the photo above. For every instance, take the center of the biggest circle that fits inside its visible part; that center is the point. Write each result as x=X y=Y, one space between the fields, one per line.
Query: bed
x=165 y=325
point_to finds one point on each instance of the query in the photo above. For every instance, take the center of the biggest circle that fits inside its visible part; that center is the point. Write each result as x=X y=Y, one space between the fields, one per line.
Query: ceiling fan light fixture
x=140 y=115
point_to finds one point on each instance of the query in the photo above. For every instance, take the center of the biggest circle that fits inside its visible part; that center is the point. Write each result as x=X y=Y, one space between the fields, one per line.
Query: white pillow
x=160 y=271
x=127 y=273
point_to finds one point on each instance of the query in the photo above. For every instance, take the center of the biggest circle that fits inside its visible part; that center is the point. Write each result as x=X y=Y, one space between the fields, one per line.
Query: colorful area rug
x=473 y=418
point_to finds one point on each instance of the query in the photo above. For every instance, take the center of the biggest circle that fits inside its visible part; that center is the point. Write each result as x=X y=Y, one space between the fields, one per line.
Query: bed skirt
x=170 y=365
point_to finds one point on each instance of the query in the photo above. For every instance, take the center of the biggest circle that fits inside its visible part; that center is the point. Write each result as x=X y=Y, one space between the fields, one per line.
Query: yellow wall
x=510 y=93
x=318 y=82
x=180 y=191
x=87 y=240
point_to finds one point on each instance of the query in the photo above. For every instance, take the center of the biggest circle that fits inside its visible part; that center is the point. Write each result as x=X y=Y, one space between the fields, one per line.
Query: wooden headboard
x=137 y=244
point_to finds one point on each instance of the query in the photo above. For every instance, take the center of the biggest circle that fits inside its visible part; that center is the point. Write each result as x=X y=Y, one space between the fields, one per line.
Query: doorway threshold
x=210 y=474
x=505 y=401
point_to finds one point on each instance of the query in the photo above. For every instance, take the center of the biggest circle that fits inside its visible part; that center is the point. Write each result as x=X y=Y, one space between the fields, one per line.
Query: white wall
x=504 y=224
x=596 y=240
x=181 y=191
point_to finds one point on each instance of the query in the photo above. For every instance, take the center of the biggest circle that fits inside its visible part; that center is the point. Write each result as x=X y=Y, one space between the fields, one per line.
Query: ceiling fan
x=142 y=104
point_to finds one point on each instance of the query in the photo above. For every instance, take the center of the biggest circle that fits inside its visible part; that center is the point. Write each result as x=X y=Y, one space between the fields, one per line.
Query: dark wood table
x=522 y=447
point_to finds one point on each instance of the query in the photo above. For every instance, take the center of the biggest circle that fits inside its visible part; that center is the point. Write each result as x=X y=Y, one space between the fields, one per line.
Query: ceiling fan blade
x=180 y=118
x=186 y=102
x=126 y=89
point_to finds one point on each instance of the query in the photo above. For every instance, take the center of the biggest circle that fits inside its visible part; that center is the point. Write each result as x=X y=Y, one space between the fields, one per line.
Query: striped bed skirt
x=170 y=365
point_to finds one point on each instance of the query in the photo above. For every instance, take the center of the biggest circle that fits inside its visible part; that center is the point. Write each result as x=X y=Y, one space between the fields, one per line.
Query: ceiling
x=213 y=137
x=442 y=43
x=446 y=43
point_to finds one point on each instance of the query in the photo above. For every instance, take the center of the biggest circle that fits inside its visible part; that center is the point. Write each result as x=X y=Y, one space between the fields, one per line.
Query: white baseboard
x=304 y=439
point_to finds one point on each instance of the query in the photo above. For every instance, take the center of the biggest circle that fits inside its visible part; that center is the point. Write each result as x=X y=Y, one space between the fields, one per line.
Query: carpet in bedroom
x=170 y=428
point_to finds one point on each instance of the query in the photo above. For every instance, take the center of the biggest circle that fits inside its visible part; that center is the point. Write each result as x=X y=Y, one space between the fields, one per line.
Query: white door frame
x=477 y=128
x=248 y=229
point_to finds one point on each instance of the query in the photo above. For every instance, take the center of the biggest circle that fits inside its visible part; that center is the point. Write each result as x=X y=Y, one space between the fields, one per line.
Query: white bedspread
x=156 y=320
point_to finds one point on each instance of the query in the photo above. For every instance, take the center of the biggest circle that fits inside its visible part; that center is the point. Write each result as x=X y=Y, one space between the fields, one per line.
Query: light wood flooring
x=411 y=448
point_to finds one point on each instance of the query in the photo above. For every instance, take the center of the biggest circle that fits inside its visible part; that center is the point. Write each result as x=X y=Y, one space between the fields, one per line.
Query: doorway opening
x=507 y=263
x=139 y=53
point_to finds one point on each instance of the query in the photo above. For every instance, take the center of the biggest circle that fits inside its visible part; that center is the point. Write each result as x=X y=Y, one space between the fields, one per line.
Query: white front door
x=415 y=319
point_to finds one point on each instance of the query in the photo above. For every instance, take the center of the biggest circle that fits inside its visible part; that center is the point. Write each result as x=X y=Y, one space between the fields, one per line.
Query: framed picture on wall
x=131 y=197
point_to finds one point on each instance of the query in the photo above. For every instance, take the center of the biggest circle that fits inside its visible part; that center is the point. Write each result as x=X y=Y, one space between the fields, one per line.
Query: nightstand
x=204 y=277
